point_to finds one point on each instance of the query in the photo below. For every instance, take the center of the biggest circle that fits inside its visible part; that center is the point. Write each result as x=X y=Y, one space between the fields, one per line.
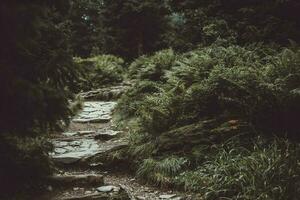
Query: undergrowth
x=100 y=70
x=220 y=120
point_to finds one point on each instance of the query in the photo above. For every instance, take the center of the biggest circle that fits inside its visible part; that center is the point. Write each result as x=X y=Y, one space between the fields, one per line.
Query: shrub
x=250 y=83
x=129 y=103
x=24 y=163
x=161 y=172
x=100 y=70
x=152 y=67
x=263 y=172
x=207 y=99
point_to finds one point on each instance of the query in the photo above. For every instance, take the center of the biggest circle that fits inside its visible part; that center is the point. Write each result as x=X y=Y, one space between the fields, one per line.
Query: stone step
x=76 y=180
x=105 y=94
x=105 y=135
x=96 y=196
x=95 y=112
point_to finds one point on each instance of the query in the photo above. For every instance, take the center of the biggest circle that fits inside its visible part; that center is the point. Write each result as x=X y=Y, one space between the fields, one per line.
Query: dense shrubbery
x=100 y=70
x=266 y=171
x=152 y=67
x=197 y=102
x=253 y=84
x=37 y=78
x=24 y=163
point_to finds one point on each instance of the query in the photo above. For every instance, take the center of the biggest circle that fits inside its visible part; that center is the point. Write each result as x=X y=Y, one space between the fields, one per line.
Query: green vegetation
x=100 y=71
x=37 y=80
x=195 y=123
x=214 y=108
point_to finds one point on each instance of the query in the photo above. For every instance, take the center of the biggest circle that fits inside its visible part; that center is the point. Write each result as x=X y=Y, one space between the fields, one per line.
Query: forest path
x=80 y=176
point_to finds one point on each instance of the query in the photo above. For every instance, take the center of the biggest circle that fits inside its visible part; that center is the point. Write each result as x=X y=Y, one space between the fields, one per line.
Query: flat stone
x=68 y=134
x=88 y=192
x=75 y=143
x=107 y=93
x=99 y=196
x=95 y=112
x=76 y=180
x=107 y=135
x=74 y=150
x=66 y=159
x=93 y=120
x=85 y=132
x=60 y=150
x=108 y=188
x=167 y=196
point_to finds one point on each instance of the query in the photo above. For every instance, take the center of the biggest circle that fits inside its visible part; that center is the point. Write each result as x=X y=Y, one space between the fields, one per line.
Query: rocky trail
x=80 y=176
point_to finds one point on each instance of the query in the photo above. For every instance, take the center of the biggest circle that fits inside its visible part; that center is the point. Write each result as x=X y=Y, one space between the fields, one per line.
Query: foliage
x=208 y=106
x=124 y=28
x=242 y=22
x=130 y=102
x=37 y=80
x=133 y=28
x=100 y=70
x=232 y=81
x=161 y=172
x=152 y=67
x=264 y=172
x=24 y=163
x=37 y=71
x=86 y=27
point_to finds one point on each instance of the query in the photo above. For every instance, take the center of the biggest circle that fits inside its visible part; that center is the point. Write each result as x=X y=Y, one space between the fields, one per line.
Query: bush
x=152 y=67
x=236 y=82
x=161 y=172
x=24 y=164
x=130 y=102
x=100 y=70
x=37 y=80
x=205 y=100
x=263 y=172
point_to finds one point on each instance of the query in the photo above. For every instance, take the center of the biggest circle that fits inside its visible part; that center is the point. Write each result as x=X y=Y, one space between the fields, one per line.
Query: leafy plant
x=100 y=70
x=268 y=171
x=153 y=67
x=161 y=172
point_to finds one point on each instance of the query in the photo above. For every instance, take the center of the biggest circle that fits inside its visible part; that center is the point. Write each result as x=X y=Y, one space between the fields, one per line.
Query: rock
x=104 y=119
x=66 y=159
x=107 y=135
x=60 y=150
x=88 y=192
x=108 y=188
x=96 y=164
x=94 y=196
x=104 y=159
x=205 y=132
x=99 y=196
x=141 y=198
x=75 y=143
x=69 y=134
x=81 y=133
x=167 y=196
x=78 y=133
x=76 y=180
x=177 y=198
x=95 y=112
x=104 y=94
x=74 y=151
